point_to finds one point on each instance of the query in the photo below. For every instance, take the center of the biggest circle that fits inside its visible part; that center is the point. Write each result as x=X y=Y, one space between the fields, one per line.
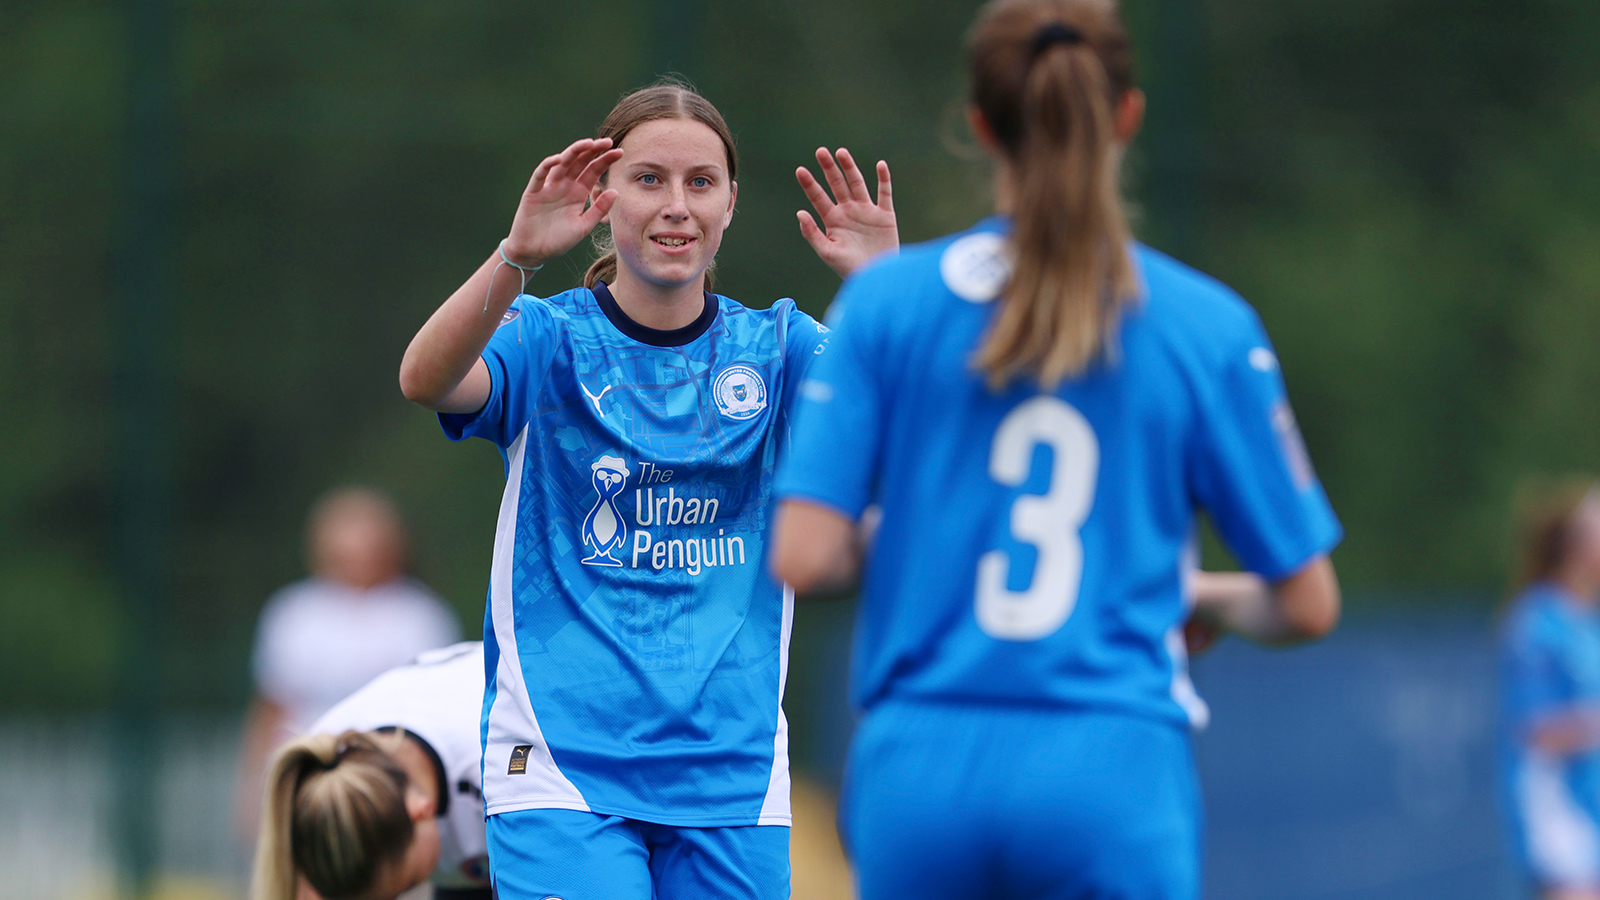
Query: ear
x=419 y=806
x=1129 y=115
x=733 y=200
x=594 y=194
x=981 y=130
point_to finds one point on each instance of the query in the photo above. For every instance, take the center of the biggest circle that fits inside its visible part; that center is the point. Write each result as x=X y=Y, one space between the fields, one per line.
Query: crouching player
x=384 y=792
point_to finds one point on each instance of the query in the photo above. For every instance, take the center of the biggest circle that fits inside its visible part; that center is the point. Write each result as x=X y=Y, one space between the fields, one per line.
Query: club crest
x=739 y=392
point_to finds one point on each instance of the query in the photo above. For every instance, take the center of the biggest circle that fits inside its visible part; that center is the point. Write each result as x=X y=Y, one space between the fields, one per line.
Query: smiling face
x=674 y=200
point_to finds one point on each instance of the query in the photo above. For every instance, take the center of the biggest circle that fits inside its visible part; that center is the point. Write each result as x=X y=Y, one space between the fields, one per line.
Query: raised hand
x=854 y=228
x=555 y=212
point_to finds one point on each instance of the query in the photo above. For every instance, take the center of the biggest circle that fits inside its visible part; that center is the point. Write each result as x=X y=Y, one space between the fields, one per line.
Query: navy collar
x=655 y=337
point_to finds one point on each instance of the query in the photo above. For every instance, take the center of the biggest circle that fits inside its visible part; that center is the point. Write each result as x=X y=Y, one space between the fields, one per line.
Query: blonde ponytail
x=334 y=811
x=1046 y=76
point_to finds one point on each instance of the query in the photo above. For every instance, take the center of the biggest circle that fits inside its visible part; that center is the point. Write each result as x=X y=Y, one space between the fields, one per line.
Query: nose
x=677 y=208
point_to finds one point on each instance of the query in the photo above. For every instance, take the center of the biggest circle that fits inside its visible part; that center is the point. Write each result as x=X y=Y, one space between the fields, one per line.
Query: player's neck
x=662 y=307
x=1004 y=192
x=1579 y=586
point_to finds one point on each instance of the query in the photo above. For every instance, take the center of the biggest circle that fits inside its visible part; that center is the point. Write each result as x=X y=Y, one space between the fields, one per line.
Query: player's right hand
x=555 y=212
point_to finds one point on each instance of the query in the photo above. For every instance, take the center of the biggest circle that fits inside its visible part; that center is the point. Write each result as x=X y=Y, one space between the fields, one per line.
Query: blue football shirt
x=1550 y=664
x=1032 y=545
x=635 y=645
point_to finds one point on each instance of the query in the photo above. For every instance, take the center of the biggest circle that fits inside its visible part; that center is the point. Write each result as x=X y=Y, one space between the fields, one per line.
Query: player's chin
x=675 y=272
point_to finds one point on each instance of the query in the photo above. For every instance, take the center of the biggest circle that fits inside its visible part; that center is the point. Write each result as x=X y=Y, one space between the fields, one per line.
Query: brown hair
x=666 y=99
x=1545 y=513
x=1047 y=76
x=334 y=812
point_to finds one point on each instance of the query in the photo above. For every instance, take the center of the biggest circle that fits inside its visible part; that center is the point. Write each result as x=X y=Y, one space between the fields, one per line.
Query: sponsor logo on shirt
x=676 y=529
x=604 y=529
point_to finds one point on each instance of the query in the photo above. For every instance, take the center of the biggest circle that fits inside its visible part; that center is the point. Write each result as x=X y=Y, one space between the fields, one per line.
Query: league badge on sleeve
x=976 y=267
x=739 y=392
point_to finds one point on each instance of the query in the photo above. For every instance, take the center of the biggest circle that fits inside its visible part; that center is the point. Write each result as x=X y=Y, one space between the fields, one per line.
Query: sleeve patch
x=1293 y=445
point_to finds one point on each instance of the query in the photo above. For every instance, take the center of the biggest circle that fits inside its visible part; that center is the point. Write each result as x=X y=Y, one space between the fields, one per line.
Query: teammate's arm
x=815 y=548
x=1303 y=606
x=854 y=228
x=443 y=368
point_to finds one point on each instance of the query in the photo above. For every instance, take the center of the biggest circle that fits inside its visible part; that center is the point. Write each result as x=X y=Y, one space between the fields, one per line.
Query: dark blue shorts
x=535 y=854
x=965 y=801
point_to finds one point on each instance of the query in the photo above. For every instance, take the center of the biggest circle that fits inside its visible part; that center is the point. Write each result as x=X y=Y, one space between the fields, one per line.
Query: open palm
x=854 y=229
x=555 y=213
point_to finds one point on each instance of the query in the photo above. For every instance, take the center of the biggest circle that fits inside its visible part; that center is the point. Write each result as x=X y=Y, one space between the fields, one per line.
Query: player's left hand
x=854 y=229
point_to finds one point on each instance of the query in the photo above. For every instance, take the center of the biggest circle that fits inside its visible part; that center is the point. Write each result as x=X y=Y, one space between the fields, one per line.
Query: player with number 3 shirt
x=1039 y=405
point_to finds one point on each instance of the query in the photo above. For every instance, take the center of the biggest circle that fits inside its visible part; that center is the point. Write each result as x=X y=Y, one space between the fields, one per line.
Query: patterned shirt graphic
x=635 y=645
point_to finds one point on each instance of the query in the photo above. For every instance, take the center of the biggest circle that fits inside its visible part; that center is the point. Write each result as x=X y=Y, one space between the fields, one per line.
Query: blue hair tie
x=1055 y=33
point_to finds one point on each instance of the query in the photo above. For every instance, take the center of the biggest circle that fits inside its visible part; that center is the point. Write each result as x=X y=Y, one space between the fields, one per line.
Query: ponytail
x=334 y=811
x=1047 y=75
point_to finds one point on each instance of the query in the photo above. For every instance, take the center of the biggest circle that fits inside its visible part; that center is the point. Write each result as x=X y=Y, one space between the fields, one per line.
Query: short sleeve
x=518 y=356
x=805 y=340
x=1249 y=467
x=833 y=454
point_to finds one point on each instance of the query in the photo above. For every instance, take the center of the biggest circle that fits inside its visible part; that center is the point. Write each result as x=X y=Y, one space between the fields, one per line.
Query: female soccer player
x=636 y=647
x=1038 y=405
x=383 y=793
x=1550 y=665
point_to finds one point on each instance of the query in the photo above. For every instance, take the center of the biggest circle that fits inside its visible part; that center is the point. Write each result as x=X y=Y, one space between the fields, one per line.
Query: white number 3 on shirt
x=1049 y=521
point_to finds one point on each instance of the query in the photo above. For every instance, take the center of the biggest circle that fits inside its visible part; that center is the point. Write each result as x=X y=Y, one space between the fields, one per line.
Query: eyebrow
x=701 y=169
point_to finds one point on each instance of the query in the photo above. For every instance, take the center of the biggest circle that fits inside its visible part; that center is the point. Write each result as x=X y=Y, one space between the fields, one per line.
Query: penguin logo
x=604 y=528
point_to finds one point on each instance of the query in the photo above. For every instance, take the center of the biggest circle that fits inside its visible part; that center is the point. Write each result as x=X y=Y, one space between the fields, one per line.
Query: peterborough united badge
x=739 y=392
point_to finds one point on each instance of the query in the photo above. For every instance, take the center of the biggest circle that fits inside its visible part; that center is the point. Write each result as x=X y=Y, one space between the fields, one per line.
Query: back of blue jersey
x=1033 y=544
x=635 y=645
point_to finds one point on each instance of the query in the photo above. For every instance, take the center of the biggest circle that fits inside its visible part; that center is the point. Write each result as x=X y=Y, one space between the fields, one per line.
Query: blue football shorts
x=946 y=801
x=535 y=854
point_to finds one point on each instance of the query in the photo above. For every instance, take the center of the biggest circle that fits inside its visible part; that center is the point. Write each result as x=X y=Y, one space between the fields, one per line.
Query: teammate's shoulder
x=1188 y=297
x=1192 y=310
x=943 y=261
x=1537 y=615
x=969 y=265
x=782 y=314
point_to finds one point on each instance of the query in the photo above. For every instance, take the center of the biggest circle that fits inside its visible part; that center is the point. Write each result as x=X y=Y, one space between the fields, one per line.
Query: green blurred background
x=1406 y=190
